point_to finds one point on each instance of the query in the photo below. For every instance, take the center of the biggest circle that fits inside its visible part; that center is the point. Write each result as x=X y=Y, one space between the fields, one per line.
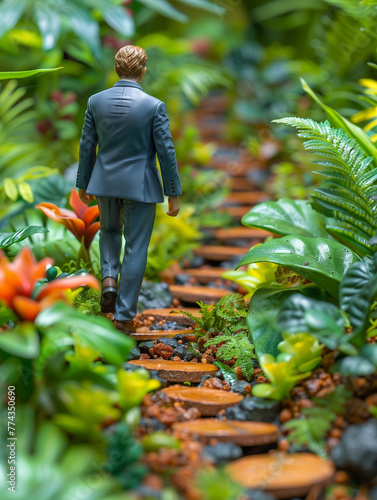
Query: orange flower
x=80 y=222
x=18 y=279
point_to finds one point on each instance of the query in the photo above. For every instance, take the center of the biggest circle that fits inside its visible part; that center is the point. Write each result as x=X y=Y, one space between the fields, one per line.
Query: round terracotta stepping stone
x=196 y=293
x=208 y=401
x=223 y=252
x=177 y=371
x=156 y=334
x=235 y=431
x=282 y=475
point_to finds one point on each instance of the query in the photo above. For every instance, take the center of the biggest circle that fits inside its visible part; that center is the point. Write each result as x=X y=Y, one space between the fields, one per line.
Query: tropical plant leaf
x=22 y=341
x=166 y=9
x=49 y=25
x=119 y=19
x=96 y=332
x=6 y=240
x=264 y=308
x=357 y=292
x=319 y=260
x=10 y=13
x=205 y=5
x=285 y=217
x=349 y=191
x=6 y=75
x=338 y=121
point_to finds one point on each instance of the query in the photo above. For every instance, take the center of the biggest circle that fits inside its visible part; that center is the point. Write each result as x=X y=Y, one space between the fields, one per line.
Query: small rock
x=190 y=337
x=255 y=409
x=154 y=296
x=145 y=346
x=145 y=356
x=213 y=383
x=312 y=386
x=242 y=386
x=222 y=453
x=181 y=279
x=356 y=452
x=258 y=495
x=171 y=342
x=180 y=337
x=133 y=354
x=204 y=378
x=151 y=425
x=183 y=353
x=164 y=351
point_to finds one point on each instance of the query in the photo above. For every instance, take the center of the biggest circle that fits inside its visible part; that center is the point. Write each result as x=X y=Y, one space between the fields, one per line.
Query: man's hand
x=173 y=206
x=84 y=197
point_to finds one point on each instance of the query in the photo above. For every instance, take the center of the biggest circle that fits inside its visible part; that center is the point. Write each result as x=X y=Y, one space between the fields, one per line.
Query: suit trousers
x=136 y=218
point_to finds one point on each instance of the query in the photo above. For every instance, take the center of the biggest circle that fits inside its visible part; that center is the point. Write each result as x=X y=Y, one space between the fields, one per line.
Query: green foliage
x=128 y=468
x=172 y=239
x=311 y=430
x=215 y=318
x=67 y=466
x=20 y=153
x=319 y=260
x=226 y=320
x=300 y=354
x=56 y=242
x=321 y=319
x=5 y=75
x=159 y=440
x=6 y=240
x=263 y=313
x=87 y=301
x=237 y=343
x=133 y=386
x=349 y=182
x=96 y=332
x=215 y=484
x=339 y=122
x=256 y=275
x=285 y=217
x=357 y=292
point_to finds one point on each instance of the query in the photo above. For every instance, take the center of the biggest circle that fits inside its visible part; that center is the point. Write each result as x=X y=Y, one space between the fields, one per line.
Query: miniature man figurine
x=129 y=127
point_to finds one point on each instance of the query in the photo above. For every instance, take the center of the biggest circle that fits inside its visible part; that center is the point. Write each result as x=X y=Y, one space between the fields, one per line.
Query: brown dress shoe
x=109 y=295
x=125 y=326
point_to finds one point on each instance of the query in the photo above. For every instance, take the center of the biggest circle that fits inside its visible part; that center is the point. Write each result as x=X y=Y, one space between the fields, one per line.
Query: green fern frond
x=311 y=430
x=236 y=345
x=350 y=181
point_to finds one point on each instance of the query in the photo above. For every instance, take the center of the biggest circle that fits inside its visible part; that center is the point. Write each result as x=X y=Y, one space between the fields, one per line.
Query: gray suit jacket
x=129 y=127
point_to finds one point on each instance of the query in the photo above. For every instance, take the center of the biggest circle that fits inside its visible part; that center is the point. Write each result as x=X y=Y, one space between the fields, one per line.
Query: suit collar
x=127 y=83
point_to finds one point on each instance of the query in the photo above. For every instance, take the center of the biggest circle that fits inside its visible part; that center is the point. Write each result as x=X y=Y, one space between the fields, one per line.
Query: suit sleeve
x=87 y=152
x=166 y=152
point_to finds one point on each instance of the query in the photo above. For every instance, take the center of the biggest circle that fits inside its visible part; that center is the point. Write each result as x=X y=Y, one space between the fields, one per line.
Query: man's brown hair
x=130 y=61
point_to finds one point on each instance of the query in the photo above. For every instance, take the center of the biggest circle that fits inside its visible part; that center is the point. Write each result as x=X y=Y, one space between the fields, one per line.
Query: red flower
x=80 y=222
x=18 y=279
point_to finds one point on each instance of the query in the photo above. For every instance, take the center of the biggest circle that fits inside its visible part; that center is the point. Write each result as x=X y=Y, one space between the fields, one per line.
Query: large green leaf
x=49 y=24
x=10 y=13
x=83 y=25
x=338 y=121
x=96 y=332
x=321 y=319
x=357 y=291
x=263 y=312
x=119 y=19
x=364 y=363
x=285 y=217
x=6 y=239
x=6 y=75
x=205 y=5
x=319 y=260
x=22 y=341
x=166 y=9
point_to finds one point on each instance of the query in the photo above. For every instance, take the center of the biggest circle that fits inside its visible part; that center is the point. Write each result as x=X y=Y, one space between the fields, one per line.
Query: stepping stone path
x=282 y=475
x=177 y=371
x=230 y=431
x=208 y=401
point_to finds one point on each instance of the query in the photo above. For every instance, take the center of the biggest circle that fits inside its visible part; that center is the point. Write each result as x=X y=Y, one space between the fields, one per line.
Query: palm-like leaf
x=350 y=182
